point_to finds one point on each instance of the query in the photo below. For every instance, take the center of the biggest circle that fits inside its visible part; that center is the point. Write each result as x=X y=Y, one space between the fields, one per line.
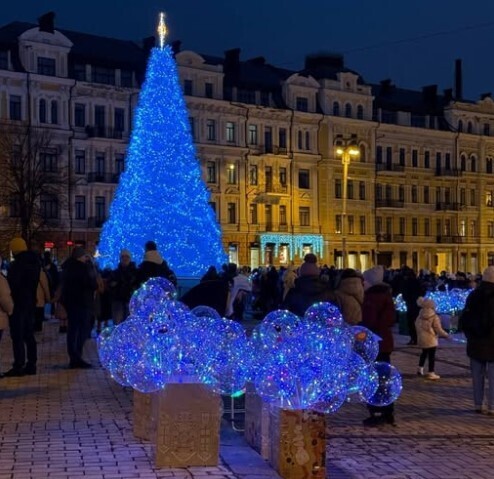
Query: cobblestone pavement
x=438 y=434
x=72 y=424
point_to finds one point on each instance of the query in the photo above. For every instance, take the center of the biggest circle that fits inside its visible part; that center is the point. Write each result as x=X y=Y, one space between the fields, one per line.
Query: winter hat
x=488 y=274
x=428 y=307
x=18 y=245
x=310 y=258
x=78 y=252
x=309 y=269
x=374 y=275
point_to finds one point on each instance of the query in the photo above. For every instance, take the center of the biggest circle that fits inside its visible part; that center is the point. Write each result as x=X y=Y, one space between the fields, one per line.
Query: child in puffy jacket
x=429 y=328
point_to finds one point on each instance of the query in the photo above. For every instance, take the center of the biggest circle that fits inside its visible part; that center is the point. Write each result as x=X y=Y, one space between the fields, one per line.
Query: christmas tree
x=161 y=195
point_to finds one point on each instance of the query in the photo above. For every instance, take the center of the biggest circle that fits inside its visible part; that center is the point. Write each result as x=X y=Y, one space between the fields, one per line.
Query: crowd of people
x=83 y=297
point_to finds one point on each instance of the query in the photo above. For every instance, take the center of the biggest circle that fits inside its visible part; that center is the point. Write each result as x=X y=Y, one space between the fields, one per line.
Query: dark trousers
x=39 y=317
x=430 y=354
x=22 y=334
x=383 y=410
x=78 y=329
x=411 y=317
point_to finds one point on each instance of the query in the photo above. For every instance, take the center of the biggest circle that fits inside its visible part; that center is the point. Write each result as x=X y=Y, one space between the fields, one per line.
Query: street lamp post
x=346 y=152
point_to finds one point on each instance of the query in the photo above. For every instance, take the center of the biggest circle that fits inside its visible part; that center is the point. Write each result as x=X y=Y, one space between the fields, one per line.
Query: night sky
x=372 y=35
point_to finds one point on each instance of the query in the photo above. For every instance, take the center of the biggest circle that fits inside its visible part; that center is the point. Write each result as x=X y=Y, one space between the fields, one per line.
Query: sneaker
x=14 y=373
x=420 y=371
x=433 y=376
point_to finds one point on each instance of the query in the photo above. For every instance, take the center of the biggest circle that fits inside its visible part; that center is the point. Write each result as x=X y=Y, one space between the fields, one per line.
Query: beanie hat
x=78 y=252
x=18 y=245
x=150 y=246
x=309 y=269
x=488 y=274
x=310 y=258
x=374 y=275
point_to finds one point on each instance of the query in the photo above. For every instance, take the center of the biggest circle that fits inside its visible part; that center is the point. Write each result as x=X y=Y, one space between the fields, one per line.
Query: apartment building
x=419 y=191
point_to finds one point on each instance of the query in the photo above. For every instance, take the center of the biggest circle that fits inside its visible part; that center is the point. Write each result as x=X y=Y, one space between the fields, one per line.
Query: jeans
x=479 y=371
x=22 y=334
x=429 y=353
x=78 y=330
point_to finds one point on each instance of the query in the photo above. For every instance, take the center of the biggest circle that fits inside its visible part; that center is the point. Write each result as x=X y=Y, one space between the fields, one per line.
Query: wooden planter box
x=257 y=422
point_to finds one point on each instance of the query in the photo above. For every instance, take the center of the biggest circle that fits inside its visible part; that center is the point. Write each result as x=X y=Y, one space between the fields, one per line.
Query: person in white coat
x=428 y=326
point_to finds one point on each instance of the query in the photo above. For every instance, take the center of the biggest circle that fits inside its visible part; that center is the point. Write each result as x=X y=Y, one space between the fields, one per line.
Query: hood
x=352 y=287
x=153 y=257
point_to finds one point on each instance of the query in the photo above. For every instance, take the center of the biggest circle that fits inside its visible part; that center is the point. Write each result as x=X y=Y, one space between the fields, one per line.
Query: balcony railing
x=387 y=203
x=393 y=167
x=104 y=132
x=454 y=172
x=444 y=239
x=95 y=177
x=276 y=189
x=442 y=206
x=95 y=222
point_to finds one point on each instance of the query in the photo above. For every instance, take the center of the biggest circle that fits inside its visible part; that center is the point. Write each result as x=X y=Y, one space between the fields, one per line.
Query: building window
x=80 y=162
x=304 y=215
x=4 y=60
x=80 y=115
x=426 y=195
x=48 y=161
x=427 y=227
x=100 y=163
x=119 y=119
x=99 y=116
x=208 y=90
x=487 y=129
x=361 y=190
x=253 y=175
x=490 y=229
x=350 y=189
x=447 y=161
x=15 y=107
x=253 y=213
x=402 y=225
x=389 y=155
x=338 y=189
x=211 y=172
x=192 y=124
x=119 y=164
x=415 y=227
x=188 y=87
x=472 y=198
x=103 y=75
x=54 y=112
x=360 y=112
x=488 y=165
x=282 y=137
x=80 y=207
x=363 y=225
x=126 y=78
x=379 y=154
x=304 y=179
x=488 y=198
x=232 y=213
x=48 y=207
x=230 y=132
x=264 y=98
x=253 y=134
x=427 y=159
x=211 y=130
x=79 y=72
x=47 y=66
x=42 y=111
x=473 y=164
x=362 y=153
x=388 y=192
x=401 y=193
x=469 y=127
x=463 y=163
x=100 y=209
x=414 y=194
x=283 y=177
x=379 y=192
x=302 y=104
x=415 y=158
x=307 y=140
x=246 y=96
x=348 y=110
x=231 y=174
x=337 y=224
x=283 y=220
x=438 y=194
x=473 y=228
x=460 y=126
x=351 y=225
x=463 y=197
x=212 y=204
x=299 y=140
x=402 y=156
x=336 y=108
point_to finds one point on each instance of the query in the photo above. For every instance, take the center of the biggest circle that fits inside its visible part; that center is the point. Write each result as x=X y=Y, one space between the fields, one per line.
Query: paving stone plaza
x=66 y=423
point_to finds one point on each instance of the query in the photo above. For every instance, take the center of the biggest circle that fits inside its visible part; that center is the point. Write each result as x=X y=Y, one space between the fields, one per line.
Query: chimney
x=429 y=95
x=232 y=58
x=458 y=80
x=46 y=22
x=148 y=44
x=176 y=46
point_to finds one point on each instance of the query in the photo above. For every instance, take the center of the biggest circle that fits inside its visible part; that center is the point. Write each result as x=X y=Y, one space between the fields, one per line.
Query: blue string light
x=161 y=195
x=294 y=242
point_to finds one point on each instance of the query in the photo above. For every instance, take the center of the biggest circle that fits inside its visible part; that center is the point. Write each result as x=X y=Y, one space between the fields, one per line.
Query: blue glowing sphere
x=365 y=343
x=205 y=311
x=389 y=385
x=278 y=326
x=325 y=313
x=148 y=298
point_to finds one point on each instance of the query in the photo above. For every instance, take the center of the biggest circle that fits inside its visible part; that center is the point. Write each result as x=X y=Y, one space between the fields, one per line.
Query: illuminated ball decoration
x=147 y=299
x=104 y=344
x=325 y=313
x=365 y=343
x=205 y=311
x=389 y=385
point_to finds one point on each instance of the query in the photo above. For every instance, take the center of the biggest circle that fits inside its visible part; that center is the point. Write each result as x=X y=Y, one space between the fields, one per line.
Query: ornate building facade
x=420 y=191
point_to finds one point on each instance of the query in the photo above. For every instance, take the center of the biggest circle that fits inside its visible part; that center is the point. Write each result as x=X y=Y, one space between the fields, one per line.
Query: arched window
x=360 y=112
x=460 y=126
x=469 y=127
x=336 y=108
x=300 y=145
x=463 y=163
x=54 y=112
x=307 y=140
x=473 y=164
x=42 y=111
x=348 y=110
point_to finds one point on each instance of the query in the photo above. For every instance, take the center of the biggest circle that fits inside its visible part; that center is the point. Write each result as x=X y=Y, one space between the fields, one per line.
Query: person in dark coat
x=477 y=322
x=123 y=282
x=53 y=275
x=309 y=289
x=378 y=315
x=154 y=266
x=23 y=278
x=412 y=290
x=78 y=289
x=210 y=275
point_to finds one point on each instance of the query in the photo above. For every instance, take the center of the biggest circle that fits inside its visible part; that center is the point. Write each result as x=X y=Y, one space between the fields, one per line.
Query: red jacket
x=379 y=315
